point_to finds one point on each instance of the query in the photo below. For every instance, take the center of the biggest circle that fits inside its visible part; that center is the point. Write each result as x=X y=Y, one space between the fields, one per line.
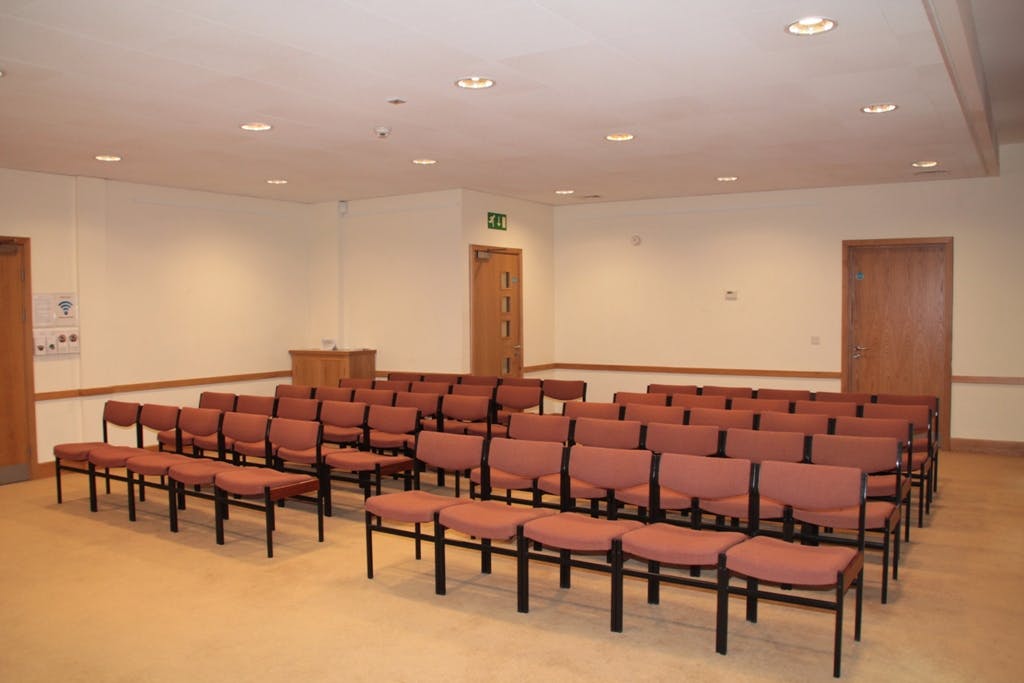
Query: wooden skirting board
x=987 y=446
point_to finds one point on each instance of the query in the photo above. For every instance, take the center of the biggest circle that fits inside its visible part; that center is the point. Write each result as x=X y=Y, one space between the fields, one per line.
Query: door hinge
x=22 y=274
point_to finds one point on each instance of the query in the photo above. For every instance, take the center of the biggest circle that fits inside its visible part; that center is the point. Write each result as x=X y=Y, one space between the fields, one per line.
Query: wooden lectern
x=325 y=368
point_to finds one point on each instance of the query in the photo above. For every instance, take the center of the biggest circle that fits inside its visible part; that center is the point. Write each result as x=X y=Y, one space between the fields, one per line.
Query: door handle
x=858 y=347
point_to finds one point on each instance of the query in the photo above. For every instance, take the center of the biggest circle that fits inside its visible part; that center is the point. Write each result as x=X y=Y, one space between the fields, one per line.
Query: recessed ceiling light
x=277 y=181
x=925 y=164
x=810 y=26
x=395 y=100
x=565 y=191
x=619 y=137
x=107 y=157
x=1 y=74
x=475 y=83
x=727 y=178
x=424 y=162
x=256 y=126
x=880 y=108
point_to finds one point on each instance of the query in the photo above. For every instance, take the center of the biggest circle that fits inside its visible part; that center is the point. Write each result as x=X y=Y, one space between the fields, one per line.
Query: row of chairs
x=831 y=494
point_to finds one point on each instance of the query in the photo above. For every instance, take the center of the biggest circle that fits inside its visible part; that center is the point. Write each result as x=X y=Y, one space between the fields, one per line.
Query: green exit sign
x=497 y=221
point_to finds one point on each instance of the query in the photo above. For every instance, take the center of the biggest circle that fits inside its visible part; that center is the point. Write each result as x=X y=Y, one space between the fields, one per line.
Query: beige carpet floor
x=93 y=597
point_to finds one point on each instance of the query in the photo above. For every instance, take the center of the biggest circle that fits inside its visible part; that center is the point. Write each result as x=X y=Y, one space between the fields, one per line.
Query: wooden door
x=897 y=331
x=17 y=390
x=496 y=319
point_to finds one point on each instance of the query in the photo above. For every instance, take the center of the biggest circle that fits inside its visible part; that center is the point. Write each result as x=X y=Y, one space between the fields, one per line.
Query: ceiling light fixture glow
x=277 y=181
x=475 y=83
x=925 y=164
x=619 y=137
x=811 y=26
x=565 y=192
x=424 y=162
x=727 y=178
x=880 y=108
x=255 y=126
x=107 y=157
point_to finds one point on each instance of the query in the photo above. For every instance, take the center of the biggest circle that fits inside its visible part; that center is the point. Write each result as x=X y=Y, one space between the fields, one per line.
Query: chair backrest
x=430 y=387
x=594 y=431
x=875 y=426
x=672 y=389
x=393 y=419
x=565 y=389
x=644 y=398
x=293 y=391
x=518 y=398
x=760 y=405
x=699 y=440
x=122 y=414
x=406 y=376
x=333 y=393
x=534 y=427
x=356 y=382
x=920 y=416
x=698 y=401
x=646 y=414
x=473 y=390
x=392 y=384
x=452 y=452
x=525 y=457
x=610 y=468
x=256 y=405
x=443 y=377
x=295 y=434
x=297 y=408
x=730 y=392
x=804 y=486
x=721 y=418
x=828 y=407
x=378 y=397
x=858 y=397
x=702 y=477
x=159 y=417
x=466 y=408
x=343 y=413
x=803 y=423
x=480 y=380
x=521 y=382
x=200 y=421
x=760 y=446
x=871 y=454
x=248 y=427
x=790 y=395
x=218 y=400
x=607 y=411
x=429 y=405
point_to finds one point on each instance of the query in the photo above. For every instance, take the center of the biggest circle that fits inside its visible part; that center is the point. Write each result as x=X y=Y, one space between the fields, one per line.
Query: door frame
x=35 y=468
x=512 y=251
x=946 y=244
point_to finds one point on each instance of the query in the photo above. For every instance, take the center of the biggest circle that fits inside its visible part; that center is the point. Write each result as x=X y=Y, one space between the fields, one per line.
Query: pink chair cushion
x=410 y=506
x=197 y=472
x=334 y=434
x=673 y=544
x=574 y=531
x=354 y=460
x=251 y=481
x=771 y=559
x=114 y=456
x=502 y=480
x=305 y=455
x=155 y=463
x=876 y=516
x=75 y=451
x=489 y=519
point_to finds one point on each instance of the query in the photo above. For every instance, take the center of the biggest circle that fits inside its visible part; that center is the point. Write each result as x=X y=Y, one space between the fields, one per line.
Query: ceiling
x=709 y=88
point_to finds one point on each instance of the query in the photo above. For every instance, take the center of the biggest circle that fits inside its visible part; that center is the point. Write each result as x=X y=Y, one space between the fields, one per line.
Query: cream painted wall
x=663 y=302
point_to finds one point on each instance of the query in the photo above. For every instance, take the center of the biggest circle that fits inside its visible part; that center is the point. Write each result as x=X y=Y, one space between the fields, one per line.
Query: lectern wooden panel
x=325 y=368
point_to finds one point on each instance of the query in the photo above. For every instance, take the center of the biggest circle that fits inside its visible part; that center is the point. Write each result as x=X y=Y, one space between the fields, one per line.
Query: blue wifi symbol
x=65 y=306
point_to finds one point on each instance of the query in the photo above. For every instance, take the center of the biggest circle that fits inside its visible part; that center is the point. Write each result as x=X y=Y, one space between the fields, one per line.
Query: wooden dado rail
x=166 y=384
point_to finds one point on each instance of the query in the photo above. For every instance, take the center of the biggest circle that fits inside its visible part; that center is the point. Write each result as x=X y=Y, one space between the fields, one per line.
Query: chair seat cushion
x=197 y=472
x=391 y=440
x=114 y=456
x=480 y=429
x=210 y=443
x=251 y=481
x=410 y=506
x=775 y=560
x=501 y=479
x=333 y=434
x=254 y=449
x=355 y=460
x=169 y=437
x=575 y=531
x=489 y=519
x=672 y=544
x=155 y=463
x=75 y=451
x=877 y=515
x=640 y=495
x=305 y=455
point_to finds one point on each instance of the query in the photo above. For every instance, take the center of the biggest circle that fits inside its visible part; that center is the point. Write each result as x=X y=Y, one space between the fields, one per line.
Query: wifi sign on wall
x=55 y=324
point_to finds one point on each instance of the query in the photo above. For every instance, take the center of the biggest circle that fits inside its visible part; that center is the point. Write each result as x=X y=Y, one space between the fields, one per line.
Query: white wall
x=662 y=302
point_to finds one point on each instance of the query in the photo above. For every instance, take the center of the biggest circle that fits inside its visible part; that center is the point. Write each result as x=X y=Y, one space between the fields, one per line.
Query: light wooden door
x=17 y=402
x=897 y=332
x=496 y=327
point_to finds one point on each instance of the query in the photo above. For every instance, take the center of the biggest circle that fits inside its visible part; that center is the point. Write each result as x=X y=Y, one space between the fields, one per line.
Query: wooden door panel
x=496 y=316
x=17 y=408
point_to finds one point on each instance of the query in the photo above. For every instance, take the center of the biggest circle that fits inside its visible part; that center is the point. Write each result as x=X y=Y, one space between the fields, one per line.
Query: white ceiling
x=708 y=87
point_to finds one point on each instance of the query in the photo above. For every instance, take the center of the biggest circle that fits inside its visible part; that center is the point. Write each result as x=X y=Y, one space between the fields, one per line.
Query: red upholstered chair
x=596 y=409
x=395 y=385
x=684 y=482
x=344 y=422
x=245 y=436
x=484 y=390
x=730 y=392
x=448 y=378
x=430 y=388
x=690 y=439
x=356 y=382
x=392 y=429
x=871 y=455
x=857 y=397
x=199 y=431
x=522 y=382
x=594 y=431
x=921 y=454
x=294 y=391
x=480 y=380
x=536 y=427
x=428 y=404
x=366 y=469
x=459 y=411
x=74 y=457
x=698 y=401
x=758 y=446
x=563 y=390
x=596 y=473
x=333 y=393
x=807 y=424
x=374 y=397
x=509 y=400
x=441 y=450
x=255 y=405
x=146 y=463
x=759 y=405
x=671 y=389
x=187 y=479
x=161 y=421
x=297 y=408
x=808 y=492
x=921 y=400
x=640 y=397
x=647 y=414
x=406 y=376
x=829 y=408
x=518 y=466
x=791 y=395
x=721 y=418
x=218 y=400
